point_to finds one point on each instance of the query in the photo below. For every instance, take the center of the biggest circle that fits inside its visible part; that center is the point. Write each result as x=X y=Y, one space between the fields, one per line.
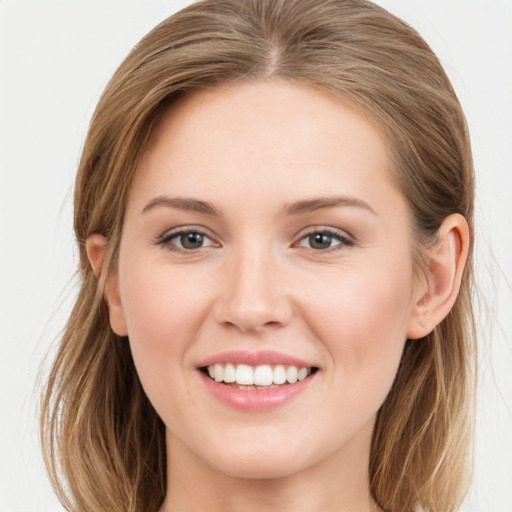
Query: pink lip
x=254 y=359
x=256 y=400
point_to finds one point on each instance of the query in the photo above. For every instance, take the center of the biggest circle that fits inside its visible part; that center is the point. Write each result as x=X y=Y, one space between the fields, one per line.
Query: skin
x=257 y=283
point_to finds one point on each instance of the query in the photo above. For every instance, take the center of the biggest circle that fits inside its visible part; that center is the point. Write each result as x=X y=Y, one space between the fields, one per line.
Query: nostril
x=253 y=317
x=251 y=298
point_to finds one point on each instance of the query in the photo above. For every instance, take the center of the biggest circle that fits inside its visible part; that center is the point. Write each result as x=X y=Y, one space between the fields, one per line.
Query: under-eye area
x=244 y=376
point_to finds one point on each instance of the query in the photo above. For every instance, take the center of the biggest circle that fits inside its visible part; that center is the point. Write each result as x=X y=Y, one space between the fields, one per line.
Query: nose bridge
x=253 y=295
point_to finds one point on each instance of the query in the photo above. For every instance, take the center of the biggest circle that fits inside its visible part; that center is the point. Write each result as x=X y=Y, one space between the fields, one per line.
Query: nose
x=252 y=295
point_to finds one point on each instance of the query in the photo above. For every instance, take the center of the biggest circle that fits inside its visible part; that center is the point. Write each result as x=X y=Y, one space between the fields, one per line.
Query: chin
x=265 y=462
x=259 y=469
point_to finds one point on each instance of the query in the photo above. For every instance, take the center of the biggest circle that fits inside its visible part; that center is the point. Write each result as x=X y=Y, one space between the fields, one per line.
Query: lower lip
x=256 y=400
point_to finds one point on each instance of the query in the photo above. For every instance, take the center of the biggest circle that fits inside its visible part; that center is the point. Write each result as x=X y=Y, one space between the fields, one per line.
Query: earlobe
x=96 y=246
x=445 y=263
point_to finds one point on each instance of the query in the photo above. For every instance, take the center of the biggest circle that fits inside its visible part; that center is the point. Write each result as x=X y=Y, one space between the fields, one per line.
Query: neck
x=338 y=484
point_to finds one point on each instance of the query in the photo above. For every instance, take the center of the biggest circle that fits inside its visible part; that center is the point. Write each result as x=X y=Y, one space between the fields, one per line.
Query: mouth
x=261 y=377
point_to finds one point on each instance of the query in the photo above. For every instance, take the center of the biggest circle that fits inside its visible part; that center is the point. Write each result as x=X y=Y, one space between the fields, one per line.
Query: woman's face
x=264 y=239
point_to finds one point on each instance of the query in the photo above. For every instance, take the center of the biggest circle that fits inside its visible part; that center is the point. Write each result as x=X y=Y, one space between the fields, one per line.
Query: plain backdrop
x=55 y=59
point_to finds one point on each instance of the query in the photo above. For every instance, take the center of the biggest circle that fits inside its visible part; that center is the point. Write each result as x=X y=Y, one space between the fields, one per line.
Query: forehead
x=251 y=140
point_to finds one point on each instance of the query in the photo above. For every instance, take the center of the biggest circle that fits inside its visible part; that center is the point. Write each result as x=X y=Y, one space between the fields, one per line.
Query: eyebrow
x=312 y=205
x=295 y=208
x=183 y=203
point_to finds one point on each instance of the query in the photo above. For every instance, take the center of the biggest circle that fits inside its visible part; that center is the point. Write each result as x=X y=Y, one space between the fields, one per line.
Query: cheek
x=162 y=307
x=362 y=319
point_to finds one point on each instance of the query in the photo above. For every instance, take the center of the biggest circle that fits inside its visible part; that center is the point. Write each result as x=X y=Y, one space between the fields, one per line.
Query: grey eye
x=186 y=240
x=320 y=241
x=323 y=240
x=191 y=240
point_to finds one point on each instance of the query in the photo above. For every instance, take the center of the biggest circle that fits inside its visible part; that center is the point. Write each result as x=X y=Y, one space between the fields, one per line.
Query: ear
x=445 y=262
x=96 y=246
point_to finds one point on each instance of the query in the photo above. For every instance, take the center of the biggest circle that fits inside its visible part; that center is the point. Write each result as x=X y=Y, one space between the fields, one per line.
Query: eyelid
x=345 y=239
x=165 y=238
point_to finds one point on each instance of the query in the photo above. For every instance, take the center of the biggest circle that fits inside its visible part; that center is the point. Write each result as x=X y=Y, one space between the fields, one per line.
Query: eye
x=325 y=239
x=185 y=240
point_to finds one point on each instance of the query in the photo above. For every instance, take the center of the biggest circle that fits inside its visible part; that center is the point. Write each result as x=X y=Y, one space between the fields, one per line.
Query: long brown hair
x=103 y=442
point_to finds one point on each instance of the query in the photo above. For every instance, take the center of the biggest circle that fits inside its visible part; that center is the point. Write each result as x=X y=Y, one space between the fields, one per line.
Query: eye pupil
x=192 y=240
x=320 y=241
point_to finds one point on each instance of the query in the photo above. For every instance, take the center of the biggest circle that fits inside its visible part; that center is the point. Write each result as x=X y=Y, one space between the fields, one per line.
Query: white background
x=55 y=59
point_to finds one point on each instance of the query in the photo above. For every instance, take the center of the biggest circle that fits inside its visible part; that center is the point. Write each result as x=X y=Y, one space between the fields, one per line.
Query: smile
x=244 y=376
x=256 y=382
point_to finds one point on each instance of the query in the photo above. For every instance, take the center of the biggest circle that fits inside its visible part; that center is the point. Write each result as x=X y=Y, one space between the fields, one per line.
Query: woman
x=274 y=214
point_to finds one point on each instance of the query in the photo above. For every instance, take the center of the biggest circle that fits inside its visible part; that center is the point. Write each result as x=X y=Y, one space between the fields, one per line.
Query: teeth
x=302 y=374
x=263 y=375
x=279 y=374
x=244 y=375
x=218 y=371
x=229 y=373
x=291 y=374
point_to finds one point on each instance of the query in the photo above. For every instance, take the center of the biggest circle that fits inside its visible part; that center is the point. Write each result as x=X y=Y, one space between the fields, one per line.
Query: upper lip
x=255 y=358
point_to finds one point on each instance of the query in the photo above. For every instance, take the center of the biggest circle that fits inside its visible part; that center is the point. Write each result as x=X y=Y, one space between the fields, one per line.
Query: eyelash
x=165 y=240
x=340 y=236
x=344 y=241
